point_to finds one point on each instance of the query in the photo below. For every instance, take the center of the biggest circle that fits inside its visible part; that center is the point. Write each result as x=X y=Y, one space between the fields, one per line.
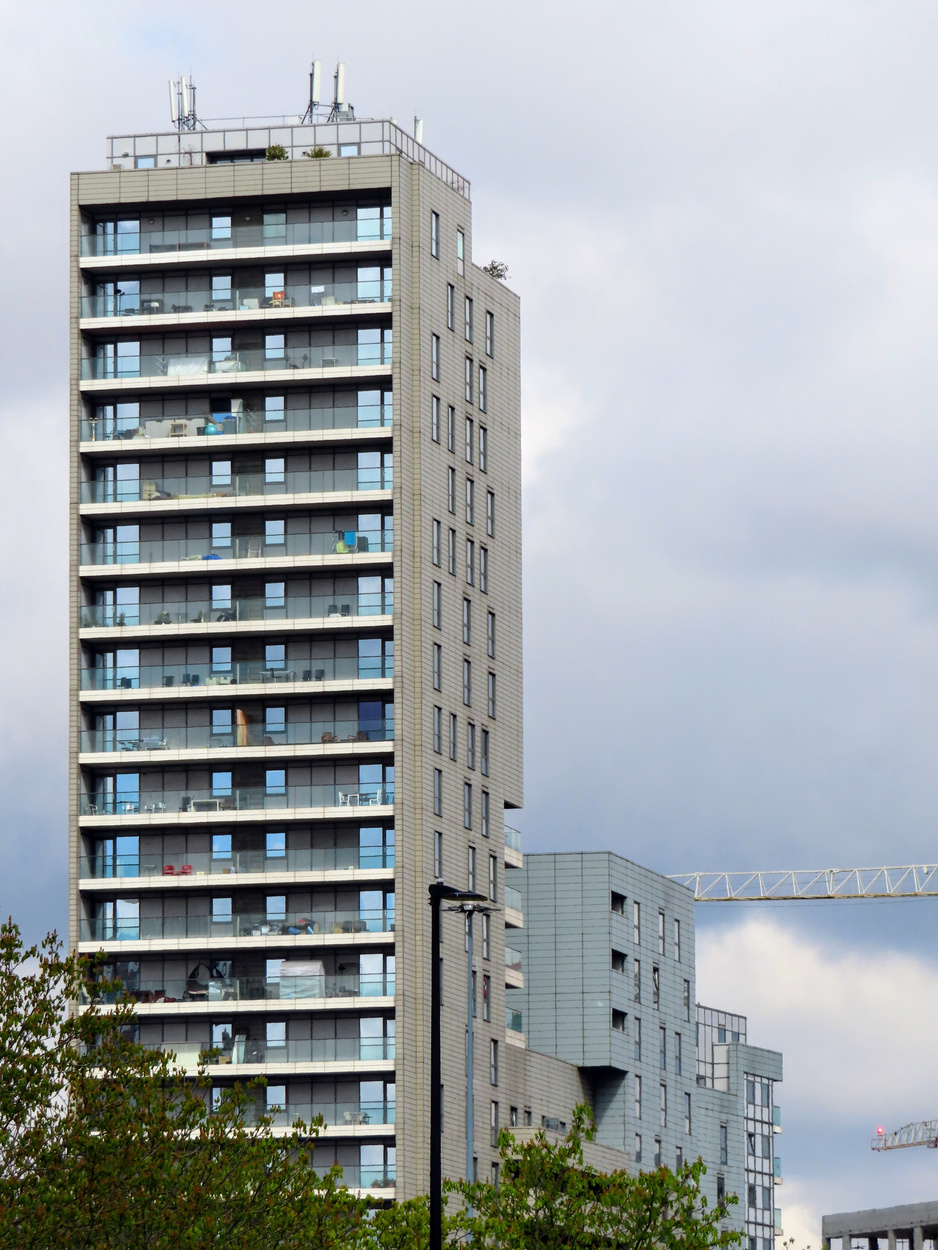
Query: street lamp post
x=439 y=892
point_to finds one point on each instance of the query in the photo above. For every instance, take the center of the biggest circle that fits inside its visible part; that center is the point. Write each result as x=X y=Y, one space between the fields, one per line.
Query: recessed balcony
x=247 y=735
x=221 y=364
x=241 y=1050
x=113 y=674
x=134 y=239
x=129 y=548
x=378 y=1115
x=301 y=983
x=125 y=299
x=223 y=609
x=108 y=865
x=200 y=802
x=121 y=922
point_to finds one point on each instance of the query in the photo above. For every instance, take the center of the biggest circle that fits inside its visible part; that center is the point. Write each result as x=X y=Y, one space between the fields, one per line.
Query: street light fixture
x=439 y=893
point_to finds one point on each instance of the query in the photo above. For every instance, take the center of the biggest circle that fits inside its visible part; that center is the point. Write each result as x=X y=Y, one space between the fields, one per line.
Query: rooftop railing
x=123 y=303
x=238 y=485
x=196 y=364
x=105 y=865
x=214 y=612
x=301 y=984
x=240 y=421
x=239 y=673
x=241 y=799
x=300 y=234
x=239 y=547
x=191 y=737
x=108 y=928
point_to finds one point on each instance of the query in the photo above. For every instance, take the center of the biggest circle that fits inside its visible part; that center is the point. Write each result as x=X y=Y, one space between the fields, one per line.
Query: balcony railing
x=195 y=364
x=238 y=485
x=243 y=798
x=208 y=612
x=240 y=673
x=251 y=1050
x=358 y=1176
x=514 y=1020
x=247 y=547
x=334 y=1114
x=512 y=959
x=513 y=839
x=246 y=924
x=138 y=242
x=105 y=865
x=291 y=733
x=241 y=421
x=513 y=898
x=123 y=303
x=302 y=984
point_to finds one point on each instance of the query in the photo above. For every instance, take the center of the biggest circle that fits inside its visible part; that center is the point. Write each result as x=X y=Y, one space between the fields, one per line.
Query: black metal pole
x=436 y=1079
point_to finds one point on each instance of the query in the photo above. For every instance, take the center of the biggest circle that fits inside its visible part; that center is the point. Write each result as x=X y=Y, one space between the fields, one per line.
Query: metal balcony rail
x=513 y=838
x=261 y=734
x=238 y=673
x=300 y=985
x=239 y=485
x=131 y=242
x=129 y=303
x=239 y=421
x=108 y=866
x=241 y=798
x=110 y=928
x=240 y=1050
x=259 y=360
x=213 y=612
x=239 y=547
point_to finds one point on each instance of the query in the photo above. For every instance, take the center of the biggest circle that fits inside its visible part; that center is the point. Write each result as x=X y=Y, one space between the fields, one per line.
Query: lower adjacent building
x=912 y=1226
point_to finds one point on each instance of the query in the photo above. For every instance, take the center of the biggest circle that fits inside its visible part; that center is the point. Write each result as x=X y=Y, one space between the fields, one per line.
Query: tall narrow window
x=435 y=235
x=655 y=986
x=437 y=666
x=637 y=923
x=484 y=570
x=467 y=622
x=451 y=490
x=677 y=941
x=637 y=1038
x=491 y=693
x=438 y=792
x=467 y=682
x=470 y=562
x=687 y=1000
x=663 y=1105
x=486 y=936
x=490 y=635
x=435 y=418
x=493 y=878
x=435 y=545
x=490 y=513
x=687 y=1123
x=450 y=306
x=469 y=440
x=438 y=855
x=437 y=604
x=468 y=319
x=438 y=730
x=636 y=981
x=677 y=1054
x=468 y=379
x=483 y=449
x=493 y=1137
x=470 y=745
x=486 y=996
x=489 y=334
x=451 y=428
x=724 y=1144
x=453 y=731
x=467 y=805
x=484 y=754
x=663 y=1048
x=483 y=389
x=470 y=501
x=460 y=252
x=471 y=869
x=660 y=932
x=485 y=805
x=451 y=552
x=638 y=1097
x=435 y=357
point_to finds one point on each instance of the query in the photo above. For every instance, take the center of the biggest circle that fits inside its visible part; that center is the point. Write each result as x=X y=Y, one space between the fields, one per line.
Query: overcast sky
x=722 y=220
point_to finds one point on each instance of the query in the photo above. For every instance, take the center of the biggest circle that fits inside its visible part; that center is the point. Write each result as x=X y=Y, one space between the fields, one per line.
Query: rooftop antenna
x=340 y=111
x=182 y=103
x=315 y=91
x=418 y=130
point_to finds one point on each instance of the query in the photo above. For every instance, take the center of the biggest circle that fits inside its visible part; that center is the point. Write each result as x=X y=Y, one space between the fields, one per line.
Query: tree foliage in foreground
x=106 y=1144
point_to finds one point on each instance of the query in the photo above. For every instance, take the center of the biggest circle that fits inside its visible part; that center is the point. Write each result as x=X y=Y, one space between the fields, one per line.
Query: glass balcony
x=299 y=733
x=358 y=1176
x=106 y=865
x=513 y=839
x=238 y=485
x=138 y=242
x=514 y=1020
x=512 y=959
x=204 y=611
x=251 y=1050
x=197 y=364
x=334 y=1115
x=246 y=547
x=513 y=898
x=238 y=421
x=240 y=799
x=239 y=673
x=126 y=303
x=110 y=928
x=256 y=989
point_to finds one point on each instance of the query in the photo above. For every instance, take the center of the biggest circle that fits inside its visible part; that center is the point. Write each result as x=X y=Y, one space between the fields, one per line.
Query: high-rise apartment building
x=296 y=616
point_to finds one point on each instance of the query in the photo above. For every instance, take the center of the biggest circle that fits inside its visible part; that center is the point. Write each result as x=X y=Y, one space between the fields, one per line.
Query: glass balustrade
x=205 y=611
x=304 y=984
x=514 y=1020
x=237 y=673
x=134 y=550
x=108 y=865
x=238 y=421
x=237 y=485
x=355 y=1176
x=512 y=838
x=512 y=959
x=261 y=734
x=195 y=364
x=110 y=928
x=131 y=242
x=240 y=1050
x=334 y=1114
x=240 y=798
x=128 y=303
x=513 y=898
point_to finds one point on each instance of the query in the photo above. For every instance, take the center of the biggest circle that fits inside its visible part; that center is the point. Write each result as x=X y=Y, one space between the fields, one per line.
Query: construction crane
x=902 y=881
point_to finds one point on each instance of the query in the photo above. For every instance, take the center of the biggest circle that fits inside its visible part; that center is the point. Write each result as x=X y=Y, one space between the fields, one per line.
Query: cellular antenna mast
x=182 y=103
x=315 y=90
x=340 y=111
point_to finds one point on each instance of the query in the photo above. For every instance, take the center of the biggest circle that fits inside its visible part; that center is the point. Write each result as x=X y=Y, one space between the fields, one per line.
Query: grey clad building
x=296 y=677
